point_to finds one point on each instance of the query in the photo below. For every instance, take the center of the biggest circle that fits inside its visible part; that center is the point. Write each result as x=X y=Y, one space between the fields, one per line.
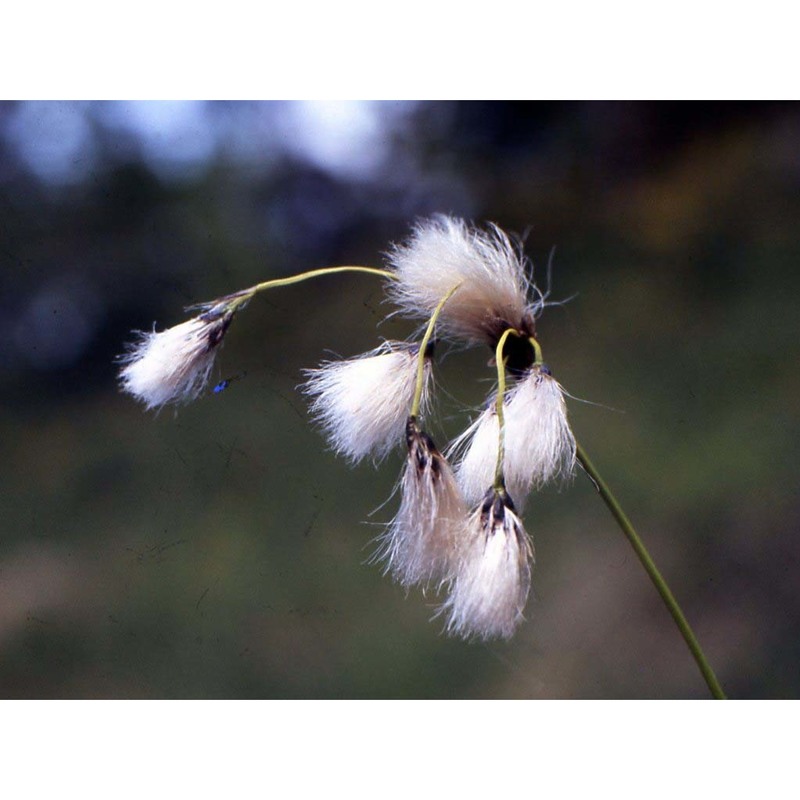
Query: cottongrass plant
x=458 y=532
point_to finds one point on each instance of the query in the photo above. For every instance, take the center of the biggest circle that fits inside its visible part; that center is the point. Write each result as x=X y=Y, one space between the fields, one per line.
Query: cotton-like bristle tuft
x=421 y=544
x=362 y=403
x=539 y=444
x=488 y=596
x=173 y=366
x=493 y=292
x=478 y=446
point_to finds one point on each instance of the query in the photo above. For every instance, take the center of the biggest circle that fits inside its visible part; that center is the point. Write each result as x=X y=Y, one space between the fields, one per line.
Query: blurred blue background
x=220 y=551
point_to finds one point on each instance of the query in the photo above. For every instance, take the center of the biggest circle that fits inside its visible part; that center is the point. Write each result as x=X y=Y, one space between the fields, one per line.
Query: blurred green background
x=220 y=551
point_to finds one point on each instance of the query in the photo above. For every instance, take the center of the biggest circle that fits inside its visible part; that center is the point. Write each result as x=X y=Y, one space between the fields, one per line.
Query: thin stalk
x=315 y=273
x=499 y=480
x=231 y=303
x=537 y=351
x=423 y=347
x=655 y=576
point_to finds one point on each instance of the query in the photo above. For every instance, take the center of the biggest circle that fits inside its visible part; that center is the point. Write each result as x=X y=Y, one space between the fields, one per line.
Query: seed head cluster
x=457 y=530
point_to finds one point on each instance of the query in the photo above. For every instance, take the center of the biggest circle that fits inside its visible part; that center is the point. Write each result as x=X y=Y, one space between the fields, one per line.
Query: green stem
x=232 y=303
x=499 y=480
x=500 y=362
x=537 y=351
x=422 y=348
x=655 y=576
x=315 y=273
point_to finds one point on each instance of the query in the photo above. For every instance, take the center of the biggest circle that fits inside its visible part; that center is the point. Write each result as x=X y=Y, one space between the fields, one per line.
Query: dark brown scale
x=219 y=307
x=217 y=331
x=495 y=327
x=428 y=443
x=422 y=449
x=486 y=507
x=412 y=430
x=493 y=508
x=498 y=509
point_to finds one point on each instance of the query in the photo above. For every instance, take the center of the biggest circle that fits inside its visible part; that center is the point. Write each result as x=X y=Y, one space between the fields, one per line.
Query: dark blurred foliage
x=220 y=551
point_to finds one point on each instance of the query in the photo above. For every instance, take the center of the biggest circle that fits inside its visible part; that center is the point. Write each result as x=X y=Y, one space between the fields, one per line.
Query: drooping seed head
x=362 y=403
x=488 y=594
x=173 y=366
x=494 y=291
x=420 y=545
x=539 y=443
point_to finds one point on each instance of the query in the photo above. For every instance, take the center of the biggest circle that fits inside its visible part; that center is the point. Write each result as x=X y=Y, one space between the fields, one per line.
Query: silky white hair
x=493 y=293
x=420 y=545
x=362 y=403
x=173 y=366
x=489 y=592
x=539 y=443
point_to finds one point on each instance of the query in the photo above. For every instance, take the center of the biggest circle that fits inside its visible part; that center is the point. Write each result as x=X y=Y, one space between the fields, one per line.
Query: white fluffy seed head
x=488 y=595
x=493 y=292
x=539 y=443
x=173 y=366
x=362 y=403
x=421 y=544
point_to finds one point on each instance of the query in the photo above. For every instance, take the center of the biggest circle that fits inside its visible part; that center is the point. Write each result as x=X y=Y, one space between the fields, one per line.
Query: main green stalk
x=619 y=515
x=655 y=576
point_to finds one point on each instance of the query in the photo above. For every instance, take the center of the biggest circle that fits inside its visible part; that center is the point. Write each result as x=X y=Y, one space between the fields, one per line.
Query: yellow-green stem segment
x=537 y=351
x=316 y=273
x=422 y=348
x=237 y=300
x=655 y=576
x=499 y=480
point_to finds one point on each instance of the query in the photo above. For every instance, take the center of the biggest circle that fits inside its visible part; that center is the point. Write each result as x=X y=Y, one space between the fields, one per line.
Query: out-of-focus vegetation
x=220 y=551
